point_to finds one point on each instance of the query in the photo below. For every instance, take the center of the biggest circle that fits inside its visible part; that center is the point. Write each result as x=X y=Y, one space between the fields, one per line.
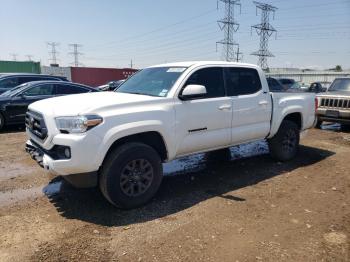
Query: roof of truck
x=202 y=63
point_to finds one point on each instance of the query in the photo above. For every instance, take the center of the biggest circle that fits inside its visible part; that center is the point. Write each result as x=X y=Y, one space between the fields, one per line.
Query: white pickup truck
x=119 y=139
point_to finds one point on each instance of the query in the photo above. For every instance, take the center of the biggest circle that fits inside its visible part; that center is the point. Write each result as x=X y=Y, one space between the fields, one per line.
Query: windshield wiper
x=138 y=93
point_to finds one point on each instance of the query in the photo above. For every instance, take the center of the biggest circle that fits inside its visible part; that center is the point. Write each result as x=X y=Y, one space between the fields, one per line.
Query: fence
x=310 y=77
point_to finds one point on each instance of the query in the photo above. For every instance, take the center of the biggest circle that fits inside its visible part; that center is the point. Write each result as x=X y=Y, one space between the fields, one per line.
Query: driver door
x=205 y=123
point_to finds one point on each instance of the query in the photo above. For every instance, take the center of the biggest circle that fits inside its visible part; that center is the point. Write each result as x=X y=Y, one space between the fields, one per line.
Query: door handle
x=225 y=107
x=263 y=103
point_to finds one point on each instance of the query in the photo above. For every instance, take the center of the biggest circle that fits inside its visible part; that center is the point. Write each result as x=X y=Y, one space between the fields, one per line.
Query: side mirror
x=22 y=96
x=193 y=92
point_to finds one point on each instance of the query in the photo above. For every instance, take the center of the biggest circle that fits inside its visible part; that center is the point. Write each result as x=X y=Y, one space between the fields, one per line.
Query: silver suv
x=334 y=105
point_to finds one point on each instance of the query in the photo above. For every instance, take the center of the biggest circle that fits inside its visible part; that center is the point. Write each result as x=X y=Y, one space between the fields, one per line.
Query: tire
x=345 y=127
x=2 y=122
x=131 y=175
x=318 y=124
x=284 y=145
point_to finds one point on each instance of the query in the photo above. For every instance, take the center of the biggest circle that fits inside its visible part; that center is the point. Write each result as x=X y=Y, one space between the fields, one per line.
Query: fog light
x=67 y=152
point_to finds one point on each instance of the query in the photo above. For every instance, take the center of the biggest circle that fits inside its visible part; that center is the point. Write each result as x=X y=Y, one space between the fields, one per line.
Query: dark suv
x=9 y=81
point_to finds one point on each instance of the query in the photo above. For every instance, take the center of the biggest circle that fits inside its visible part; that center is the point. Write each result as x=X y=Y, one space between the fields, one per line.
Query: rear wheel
x=131 y=175
x=2 y=122
x=284 y=145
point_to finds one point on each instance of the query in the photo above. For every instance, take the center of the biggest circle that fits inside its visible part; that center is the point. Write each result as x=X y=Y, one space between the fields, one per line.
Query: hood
x=73 y=105
x=335 y=93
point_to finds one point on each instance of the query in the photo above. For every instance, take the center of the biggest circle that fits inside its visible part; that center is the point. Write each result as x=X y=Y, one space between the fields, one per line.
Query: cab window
x=242 y=81
x=213 y=80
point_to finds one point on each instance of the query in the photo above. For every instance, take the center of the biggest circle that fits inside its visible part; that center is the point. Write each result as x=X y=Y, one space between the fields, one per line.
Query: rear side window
x=212 y=78
x=40 y=90
x=242 y=81
x=70 y=89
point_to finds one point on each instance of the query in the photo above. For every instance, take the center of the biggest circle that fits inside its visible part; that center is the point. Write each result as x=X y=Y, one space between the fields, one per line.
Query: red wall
x=99 y=76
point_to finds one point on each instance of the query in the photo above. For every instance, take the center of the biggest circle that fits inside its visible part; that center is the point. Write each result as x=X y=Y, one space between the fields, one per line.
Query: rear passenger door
x=251 y=105
x=204 y=123
x=20 y=103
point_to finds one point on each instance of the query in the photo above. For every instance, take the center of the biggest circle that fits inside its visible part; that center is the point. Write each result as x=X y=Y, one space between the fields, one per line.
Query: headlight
x=77 y=124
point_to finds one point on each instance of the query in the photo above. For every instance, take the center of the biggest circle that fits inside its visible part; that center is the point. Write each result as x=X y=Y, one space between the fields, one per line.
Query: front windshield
x=340 y=85
x=156 y=81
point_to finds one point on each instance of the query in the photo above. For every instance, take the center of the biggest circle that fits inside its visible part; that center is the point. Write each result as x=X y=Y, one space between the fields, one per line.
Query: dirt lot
x=208 y=209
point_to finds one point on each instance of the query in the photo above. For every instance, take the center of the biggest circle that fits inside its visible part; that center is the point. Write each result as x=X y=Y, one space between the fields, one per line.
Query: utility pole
x=14 y=56
x=239 y=55
x=76 y=54
x=29 y=57
x=229 y=25
x=53 y=52
x=264 y=30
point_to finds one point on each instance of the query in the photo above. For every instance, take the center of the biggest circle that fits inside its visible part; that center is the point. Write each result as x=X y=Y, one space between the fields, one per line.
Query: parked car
x=275 y=85
x=14 y=103
x=317 y=87
x=286 y=82
x=9 y=81
x=110 y=86
x=303 y=87
x=334 y=105
x=162 y=113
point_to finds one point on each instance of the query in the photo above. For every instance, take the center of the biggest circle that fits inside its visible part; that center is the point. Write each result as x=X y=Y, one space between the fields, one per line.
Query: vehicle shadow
x=13 y=129
x=219 y=178
x=335 y=127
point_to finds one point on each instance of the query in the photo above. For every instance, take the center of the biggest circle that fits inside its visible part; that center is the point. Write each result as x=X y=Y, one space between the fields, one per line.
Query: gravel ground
x=242 y=207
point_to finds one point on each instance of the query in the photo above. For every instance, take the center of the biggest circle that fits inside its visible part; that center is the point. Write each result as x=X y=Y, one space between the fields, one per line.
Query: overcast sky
x=314 y=33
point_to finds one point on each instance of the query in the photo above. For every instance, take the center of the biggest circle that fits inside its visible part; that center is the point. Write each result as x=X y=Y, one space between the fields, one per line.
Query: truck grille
x=36 y=125
x=335 y=102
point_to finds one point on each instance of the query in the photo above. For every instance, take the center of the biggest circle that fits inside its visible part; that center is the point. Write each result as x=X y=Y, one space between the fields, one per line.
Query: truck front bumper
x=81 y=180
x=41 y=156
x=82 y=157
x=35 y=153
x=334 y=115
x=335 y=120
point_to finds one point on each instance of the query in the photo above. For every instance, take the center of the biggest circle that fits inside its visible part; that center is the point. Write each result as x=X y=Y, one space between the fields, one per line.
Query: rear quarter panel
x=289 y=103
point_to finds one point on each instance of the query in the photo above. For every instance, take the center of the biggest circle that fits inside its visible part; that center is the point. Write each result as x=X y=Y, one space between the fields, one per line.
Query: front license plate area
x=332 y=113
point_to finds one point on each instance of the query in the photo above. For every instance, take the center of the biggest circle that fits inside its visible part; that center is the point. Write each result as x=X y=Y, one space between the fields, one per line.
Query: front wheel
x=131 y=175
x=284 y=145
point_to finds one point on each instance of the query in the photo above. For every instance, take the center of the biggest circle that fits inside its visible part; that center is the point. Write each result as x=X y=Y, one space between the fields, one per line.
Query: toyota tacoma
x=119 y=140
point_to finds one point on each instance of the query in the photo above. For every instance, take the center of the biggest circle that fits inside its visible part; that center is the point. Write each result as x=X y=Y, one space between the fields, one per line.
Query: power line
x=53 y=52
x=155 y=30
x=76 y=54
x=29 y=57
x=229 y=25
x=14 y=56
x=264 y=30
x=170 y=45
